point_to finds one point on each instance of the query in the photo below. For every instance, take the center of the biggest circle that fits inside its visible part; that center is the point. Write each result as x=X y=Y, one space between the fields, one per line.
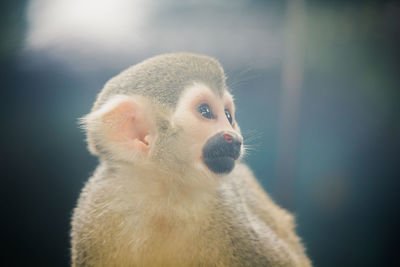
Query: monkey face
x=210 y=130
x=201 y=132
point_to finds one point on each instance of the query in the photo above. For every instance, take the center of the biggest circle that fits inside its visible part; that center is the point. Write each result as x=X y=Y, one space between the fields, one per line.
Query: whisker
x=235 y=79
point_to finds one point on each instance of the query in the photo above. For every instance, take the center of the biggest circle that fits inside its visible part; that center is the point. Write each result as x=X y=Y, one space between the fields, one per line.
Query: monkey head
x=171 y=112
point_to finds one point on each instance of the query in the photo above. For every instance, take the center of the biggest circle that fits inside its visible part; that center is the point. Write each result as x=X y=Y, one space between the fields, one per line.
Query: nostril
x=228 y=137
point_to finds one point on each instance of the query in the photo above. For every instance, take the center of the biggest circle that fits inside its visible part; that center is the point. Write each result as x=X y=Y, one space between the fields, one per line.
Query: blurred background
x=317 y=86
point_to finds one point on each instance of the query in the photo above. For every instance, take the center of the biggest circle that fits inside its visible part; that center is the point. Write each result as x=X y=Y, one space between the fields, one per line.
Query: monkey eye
x=205 y=111
x=228 y=116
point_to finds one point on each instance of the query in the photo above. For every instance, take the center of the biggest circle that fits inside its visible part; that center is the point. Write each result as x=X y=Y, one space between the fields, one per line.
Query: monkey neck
x=180 y=193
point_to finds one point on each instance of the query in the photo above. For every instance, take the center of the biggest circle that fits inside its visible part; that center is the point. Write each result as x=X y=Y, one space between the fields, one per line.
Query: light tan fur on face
x=197 y=129
x=151 y=200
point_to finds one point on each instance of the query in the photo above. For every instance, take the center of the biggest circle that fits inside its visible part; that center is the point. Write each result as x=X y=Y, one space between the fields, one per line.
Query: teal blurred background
x=317 y=85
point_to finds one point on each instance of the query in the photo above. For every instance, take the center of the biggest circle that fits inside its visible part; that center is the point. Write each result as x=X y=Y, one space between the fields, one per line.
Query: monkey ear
x=122 y=126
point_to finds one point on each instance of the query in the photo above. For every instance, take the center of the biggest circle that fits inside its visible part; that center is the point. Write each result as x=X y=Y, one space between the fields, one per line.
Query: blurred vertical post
x=292 y=78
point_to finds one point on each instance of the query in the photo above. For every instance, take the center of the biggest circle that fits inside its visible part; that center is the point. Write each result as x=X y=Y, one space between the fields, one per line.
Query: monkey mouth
x=220 y=165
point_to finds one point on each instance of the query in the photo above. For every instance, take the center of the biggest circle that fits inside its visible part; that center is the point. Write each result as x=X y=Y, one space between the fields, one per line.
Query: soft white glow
x=110 y=24
x=116 y=33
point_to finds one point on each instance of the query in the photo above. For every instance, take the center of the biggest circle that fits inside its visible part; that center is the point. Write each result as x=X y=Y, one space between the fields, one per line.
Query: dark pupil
x=228 y=116
x=205 y=111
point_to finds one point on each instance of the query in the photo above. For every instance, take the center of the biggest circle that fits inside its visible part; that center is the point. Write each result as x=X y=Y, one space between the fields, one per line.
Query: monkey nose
x=234 y=142
x=228 y=137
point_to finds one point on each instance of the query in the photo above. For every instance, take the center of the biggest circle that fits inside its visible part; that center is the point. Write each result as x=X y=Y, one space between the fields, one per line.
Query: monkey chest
x=219 y=241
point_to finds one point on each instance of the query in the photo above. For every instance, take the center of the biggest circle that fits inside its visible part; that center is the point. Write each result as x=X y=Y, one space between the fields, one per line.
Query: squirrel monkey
x=170 y=189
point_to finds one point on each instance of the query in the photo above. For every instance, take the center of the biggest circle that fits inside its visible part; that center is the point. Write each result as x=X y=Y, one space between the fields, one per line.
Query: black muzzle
x=221 y=151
